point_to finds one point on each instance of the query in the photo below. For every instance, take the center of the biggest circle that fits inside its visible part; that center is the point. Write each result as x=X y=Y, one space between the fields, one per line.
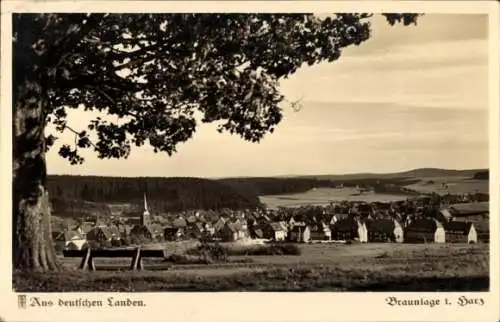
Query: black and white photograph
x=302 y=151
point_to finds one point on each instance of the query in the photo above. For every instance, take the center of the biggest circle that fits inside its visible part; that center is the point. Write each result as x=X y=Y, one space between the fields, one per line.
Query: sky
x=410 y=97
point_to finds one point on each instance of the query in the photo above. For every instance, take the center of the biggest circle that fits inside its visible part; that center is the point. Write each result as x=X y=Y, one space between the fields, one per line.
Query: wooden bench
x=137 y=254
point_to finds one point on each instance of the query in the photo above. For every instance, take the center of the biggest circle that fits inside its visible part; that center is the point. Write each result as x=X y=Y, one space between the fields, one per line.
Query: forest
x=164 y=194
x=69 y=193
x=482 y=175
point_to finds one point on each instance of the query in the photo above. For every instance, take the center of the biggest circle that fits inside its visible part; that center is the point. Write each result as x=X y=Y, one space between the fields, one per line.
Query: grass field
x=322 y=196
x=456 y=185
x=320 y=267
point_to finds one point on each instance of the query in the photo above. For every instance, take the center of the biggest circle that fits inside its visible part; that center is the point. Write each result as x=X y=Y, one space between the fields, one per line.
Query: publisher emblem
x=21 y=301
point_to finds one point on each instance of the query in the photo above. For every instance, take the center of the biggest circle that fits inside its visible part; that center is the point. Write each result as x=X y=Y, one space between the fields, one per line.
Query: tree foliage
x=155 y=71
x=68 y=194
x=482 y=175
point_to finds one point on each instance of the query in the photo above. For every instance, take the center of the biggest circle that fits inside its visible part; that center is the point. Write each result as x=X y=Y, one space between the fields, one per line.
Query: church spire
x=145 y=204
x=145 y=218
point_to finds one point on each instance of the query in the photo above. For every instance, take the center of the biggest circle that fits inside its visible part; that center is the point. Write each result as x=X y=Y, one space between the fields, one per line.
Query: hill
x=77 y=195
x=410 y=174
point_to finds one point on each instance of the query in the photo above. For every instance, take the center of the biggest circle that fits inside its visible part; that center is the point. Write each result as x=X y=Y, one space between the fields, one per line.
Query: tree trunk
x=32 y=245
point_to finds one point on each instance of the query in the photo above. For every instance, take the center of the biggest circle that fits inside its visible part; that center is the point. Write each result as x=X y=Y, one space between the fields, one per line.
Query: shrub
x=220 y=253
x=213 y=252
x=482 y=175
x=276 y=249
x=188 y=259
x=290 y=249
x=116 y=242
x=92 y=244
x=85 y=246
x=138 y=239
x=269 y=249
x=106 y=244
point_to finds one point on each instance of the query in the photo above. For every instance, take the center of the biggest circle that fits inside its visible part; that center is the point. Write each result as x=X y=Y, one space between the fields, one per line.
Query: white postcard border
x=253 y=306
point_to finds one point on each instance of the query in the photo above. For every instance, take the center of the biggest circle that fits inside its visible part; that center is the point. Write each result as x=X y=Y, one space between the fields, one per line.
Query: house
x=382 y=206
x=191 y=220
x=460 y=232
x=264 y=219
x=156 y=231
x=384 y=230
x=336 y=217
x=242 y=223
x=320 y=231
x=364 y=211
x=233 y=231
x=173 y=233
x=251 y=219
x=219 y=224
x=103 y=233
x=197 y=229
x=69 y=239
x=300 y=234
x=251 y=222
x=76 y=244
x=241 y=215
x=274 y=230
x=350 y=229
x=209 y=229
x=481 y=225
x=425 y=231
x=444 y=215
x=179 y=222
x=256 y=232
x=313 y=220
x=329 y=218
x=124 y=230
x=131 y=222
x=297 y=220
x=448 y=199
x=85 y=227
x=473 y=209
x=141 y=232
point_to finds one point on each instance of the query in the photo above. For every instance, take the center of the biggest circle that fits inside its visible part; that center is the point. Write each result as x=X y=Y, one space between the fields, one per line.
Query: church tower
x=146 y=217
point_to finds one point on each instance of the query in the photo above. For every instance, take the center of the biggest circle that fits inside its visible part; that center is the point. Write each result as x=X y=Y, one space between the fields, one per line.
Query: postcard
x=250 y=161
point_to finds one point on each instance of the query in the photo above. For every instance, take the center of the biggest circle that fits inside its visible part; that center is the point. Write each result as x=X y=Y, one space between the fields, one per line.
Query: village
x=425 y=219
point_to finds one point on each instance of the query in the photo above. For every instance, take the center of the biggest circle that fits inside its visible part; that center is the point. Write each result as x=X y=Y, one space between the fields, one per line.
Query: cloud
x=450 y=74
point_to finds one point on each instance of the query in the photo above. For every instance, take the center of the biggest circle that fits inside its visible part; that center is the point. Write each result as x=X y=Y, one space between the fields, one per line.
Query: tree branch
x=78 y=133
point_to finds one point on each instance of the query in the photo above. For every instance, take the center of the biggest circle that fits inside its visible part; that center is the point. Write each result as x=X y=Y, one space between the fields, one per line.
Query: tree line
x=163 y=194
x=68 y=194
x=482 y=175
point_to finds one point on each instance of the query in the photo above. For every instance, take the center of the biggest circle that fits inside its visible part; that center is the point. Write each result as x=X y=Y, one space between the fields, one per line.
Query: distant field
x=320 y=267
x=322 y=196
x=456 y=185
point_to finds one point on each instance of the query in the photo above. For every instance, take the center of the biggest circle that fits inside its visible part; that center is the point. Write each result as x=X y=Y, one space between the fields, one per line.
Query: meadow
x=319 y=267
x=323 y=196
x=456 y=184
